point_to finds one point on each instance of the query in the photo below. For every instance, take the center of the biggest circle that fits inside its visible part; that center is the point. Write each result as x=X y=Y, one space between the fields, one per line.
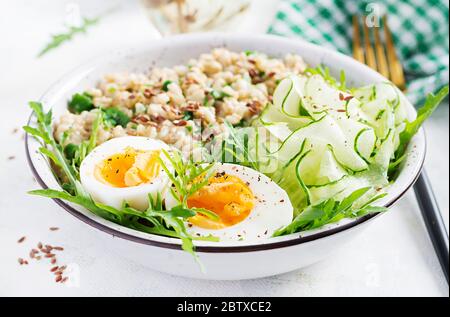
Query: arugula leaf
x=330 y=211
x=44 y=133
x=411 y=128
x=80 y=102
x=348 y=201
x=159 y=220
x=207 y=213
x=61 y=38
x=181 y=211
x=431 y=103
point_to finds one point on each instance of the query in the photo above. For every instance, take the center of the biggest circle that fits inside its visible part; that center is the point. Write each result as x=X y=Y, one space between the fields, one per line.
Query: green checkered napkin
x=419 y=27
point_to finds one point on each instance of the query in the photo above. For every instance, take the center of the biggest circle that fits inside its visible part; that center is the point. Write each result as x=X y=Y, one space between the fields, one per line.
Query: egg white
x=136 y=196
x=272 y=208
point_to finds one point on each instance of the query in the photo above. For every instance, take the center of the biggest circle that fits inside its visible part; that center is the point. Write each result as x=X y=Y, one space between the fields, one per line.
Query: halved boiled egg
x=125 y=169
x=249 y=205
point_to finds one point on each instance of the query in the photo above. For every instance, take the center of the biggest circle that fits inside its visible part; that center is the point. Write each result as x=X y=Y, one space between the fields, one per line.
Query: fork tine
x=358 y=53
x=370 y=54
x=381 y=57
x=395 y=67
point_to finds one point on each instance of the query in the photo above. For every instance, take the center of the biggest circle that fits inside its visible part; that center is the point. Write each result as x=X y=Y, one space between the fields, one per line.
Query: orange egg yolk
x=130 y=168
x=227 y=196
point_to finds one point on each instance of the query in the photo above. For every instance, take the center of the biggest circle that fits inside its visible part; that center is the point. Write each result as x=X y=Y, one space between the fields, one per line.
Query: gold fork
x=378 y=57
x=384 y=60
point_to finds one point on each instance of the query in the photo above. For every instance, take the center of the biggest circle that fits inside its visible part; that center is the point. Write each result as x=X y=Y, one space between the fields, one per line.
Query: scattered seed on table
x=20 y=260
x=58 y=248
x=64 y=279
x=49 y=255
x=21 y=239
x=58 y=278
x=53 y=269
x=53 y=228
x=53 y=261
x=39 y=245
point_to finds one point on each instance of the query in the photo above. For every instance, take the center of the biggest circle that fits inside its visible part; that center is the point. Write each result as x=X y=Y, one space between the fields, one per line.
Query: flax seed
x=348 y=98
x=53 y=261
x=21 y=239
x=53 y=269
x=58 y=278
x=54 y=228
x=58 y=248
x=20 y=260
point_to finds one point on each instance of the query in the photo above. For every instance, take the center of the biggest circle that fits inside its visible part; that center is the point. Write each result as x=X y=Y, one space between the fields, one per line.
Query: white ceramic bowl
x=222 y=261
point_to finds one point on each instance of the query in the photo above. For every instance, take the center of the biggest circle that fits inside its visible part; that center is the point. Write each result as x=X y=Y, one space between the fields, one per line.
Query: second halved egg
x=249 y=205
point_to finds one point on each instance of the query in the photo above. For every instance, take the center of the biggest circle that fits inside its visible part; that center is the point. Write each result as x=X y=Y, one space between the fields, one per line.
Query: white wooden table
x=392 y=258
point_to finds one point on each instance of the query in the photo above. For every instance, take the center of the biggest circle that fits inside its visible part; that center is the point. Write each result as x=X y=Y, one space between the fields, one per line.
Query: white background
x=393 y=257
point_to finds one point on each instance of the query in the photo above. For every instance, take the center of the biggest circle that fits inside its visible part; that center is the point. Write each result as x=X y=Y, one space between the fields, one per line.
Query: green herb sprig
x=242 y=145
x=411 y=128
x=324 y=71
x=331 y=211
x=154 y=220
x=58 y=39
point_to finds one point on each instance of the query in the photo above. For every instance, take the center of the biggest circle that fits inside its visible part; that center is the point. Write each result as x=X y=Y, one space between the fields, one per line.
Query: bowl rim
x=210 y=248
